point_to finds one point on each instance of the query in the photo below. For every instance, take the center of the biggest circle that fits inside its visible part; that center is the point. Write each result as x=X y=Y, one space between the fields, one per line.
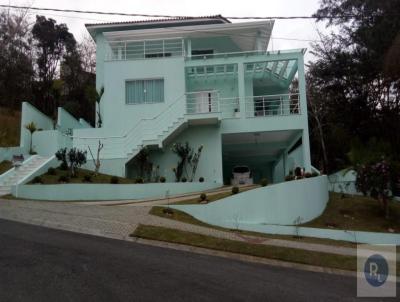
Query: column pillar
x=241 y=90
x=304 y=114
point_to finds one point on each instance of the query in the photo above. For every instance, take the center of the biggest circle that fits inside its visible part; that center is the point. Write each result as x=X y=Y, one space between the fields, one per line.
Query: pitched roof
x=150 y=21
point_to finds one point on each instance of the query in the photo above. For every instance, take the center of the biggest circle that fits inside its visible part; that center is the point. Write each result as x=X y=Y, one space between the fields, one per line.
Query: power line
x=104 y=13
x=343 y=16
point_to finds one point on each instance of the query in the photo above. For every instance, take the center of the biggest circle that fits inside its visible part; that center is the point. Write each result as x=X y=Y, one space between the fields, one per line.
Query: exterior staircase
x=154 y=131
x=15 y=175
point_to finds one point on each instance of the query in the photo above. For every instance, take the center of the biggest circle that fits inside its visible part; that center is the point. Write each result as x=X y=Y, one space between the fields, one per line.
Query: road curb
x=242 y=257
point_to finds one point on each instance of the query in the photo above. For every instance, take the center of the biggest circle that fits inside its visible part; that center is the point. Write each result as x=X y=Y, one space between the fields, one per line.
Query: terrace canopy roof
x=246 y=35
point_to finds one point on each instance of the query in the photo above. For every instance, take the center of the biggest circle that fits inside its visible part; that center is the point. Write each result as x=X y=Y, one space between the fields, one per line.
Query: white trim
x=128 y=24
x=189 y=30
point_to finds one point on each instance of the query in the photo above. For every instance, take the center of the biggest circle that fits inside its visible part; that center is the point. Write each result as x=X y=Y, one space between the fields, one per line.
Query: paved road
x=40 y=264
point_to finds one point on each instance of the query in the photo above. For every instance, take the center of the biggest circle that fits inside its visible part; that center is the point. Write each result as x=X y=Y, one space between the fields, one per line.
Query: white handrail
x=130 y=130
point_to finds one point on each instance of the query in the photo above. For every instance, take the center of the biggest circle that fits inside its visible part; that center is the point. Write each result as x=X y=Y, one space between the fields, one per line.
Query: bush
x=264 y=182
x=114 y=180
x=308 y=175
x=289 y=177
x=63 y=179
x=162 y=179
x=314 y=174
x=168 y=211
x=201 y=179
x=235 y=190
x=184 y=179
x=139 y=180
x=203 y=196
x=51 y=171
x=87 y=178
x=37 y=180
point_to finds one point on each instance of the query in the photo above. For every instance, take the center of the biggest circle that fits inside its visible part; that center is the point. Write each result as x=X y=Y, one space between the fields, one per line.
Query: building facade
x=204 y=81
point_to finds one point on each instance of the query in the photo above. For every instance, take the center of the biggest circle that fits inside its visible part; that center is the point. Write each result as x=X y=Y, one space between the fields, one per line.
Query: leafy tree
x=356 y=77
x=16 y=66
x=31 y=127
x=52 y=43
x=374 y=180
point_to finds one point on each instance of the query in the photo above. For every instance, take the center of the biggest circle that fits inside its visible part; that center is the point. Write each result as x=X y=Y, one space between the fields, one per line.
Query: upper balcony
x=186 y=41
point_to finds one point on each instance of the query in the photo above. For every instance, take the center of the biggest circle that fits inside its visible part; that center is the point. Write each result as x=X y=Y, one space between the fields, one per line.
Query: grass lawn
x=186 y=218
x=5 y=165
x=48 y=179
x=10 y=127
x=357 y=213
x=258 y=250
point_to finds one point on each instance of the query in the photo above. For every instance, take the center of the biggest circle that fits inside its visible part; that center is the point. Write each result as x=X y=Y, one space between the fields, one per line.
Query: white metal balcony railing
x=145 y=49
x=256 y=106
x=222 y=55
x=270 y=105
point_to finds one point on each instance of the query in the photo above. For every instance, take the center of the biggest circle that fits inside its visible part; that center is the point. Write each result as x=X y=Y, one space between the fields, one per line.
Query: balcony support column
x=303 y=110
x=241 y=90
x=189 y=48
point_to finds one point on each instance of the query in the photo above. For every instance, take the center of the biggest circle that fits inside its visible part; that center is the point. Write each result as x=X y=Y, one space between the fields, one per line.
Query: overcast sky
x=283 y=29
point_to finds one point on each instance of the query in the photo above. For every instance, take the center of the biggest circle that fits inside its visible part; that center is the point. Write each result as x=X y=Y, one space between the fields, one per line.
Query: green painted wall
x=220 y=44
x=95 y=192
x=210 y=165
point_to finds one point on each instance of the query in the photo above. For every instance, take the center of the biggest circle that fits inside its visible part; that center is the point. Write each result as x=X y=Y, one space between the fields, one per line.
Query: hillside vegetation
x=10 y=127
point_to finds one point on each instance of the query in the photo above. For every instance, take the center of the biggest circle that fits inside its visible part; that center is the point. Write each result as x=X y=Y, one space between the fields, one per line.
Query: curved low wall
x=280 y=204
x=68 y=192
x=342 y=235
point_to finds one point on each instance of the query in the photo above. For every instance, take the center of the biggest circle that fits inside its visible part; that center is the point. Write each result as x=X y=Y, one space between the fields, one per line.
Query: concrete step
x=24 y=170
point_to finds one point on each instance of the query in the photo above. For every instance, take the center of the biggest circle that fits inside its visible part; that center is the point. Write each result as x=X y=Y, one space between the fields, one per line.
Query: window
x=144 y=91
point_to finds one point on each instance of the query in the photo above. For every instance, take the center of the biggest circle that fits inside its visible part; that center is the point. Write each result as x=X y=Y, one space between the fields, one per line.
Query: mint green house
x=205 y=81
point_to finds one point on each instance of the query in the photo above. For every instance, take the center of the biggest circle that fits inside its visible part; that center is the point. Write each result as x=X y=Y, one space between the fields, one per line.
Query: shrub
x=297 y=172
x=264 y=182
x=308 y=175
x=162 y=179
x=203 y=196
x=235 y=190
x=314 y=174
x=184 y=179
x=168 y=211
x=289 y=177
x=201 y=179
x=51 y=171
x=87 y=178
x=63 y=179
x=139 y=180
x=37 y=180
x=114 y=180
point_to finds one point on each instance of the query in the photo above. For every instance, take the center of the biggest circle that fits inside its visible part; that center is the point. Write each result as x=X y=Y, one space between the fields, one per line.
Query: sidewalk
x=120 y=221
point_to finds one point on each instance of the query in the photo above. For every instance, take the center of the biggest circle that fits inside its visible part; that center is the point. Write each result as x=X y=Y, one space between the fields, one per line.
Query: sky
x=284 y=34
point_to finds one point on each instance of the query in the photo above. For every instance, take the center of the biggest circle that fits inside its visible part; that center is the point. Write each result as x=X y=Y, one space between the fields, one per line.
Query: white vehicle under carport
x=241 y=175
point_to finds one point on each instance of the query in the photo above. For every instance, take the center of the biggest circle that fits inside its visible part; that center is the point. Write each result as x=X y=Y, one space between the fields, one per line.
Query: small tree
x=72 y=159
x=185 y=153
x=96 y=162
x=98 y=96
x=374 y=180
x=31 y=127
x=187 y=158
x=142 y=160
x=194 y=162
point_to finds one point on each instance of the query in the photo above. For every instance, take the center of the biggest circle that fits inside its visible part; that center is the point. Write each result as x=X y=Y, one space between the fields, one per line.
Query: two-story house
x=205 y=81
